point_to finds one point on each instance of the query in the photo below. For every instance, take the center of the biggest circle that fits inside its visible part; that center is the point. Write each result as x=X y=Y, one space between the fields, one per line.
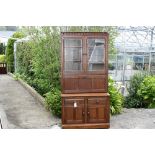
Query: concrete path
x=21 y=109
x=134 y=119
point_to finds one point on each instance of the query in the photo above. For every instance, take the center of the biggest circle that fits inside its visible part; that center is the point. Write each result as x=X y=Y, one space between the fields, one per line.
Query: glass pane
x=72 y=42
x=73 y=57
x=73 y=54
x=72 y=66
x=96 y=54
x=152 y=65
x=137 y=62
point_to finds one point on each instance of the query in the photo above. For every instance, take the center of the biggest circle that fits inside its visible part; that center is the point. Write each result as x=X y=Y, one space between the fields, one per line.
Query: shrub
x=2 y=58
x=116 y=98
x=10 y=55
x=147 y=91
x=2 y=48
x=133 y=100
x=53 y=101
x=10 y=51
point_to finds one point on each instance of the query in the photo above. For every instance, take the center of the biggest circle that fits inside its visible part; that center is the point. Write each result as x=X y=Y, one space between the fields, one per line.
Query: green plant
x=133 y=100
x=10 y=51
x=2 y=58
x=147 y=91
x=53 y=101
x=16 y=76
x=9 y=55
x=116 y=98
x=2 y=48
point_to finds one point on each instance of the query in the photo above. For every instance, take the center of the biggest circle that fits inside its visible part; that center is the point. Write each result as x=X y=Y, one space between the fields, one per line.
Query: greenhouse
x=135 y=52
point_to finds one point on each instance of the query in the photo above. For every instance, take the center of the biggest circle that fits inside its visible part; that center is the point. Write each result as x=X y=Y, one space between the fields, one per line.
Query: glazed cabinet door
x=73 y=111
x=97 y=110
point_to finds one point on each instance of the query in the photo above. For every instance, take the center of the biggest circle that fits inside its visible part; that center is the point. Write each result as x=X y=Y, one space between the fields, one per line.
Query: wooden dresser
x=84 y=80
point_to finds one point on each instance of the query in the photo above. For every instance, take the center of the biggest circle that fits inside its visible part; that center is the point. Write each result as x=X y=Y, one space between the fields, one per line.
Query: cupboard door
x=97 y=110
x=74 y=111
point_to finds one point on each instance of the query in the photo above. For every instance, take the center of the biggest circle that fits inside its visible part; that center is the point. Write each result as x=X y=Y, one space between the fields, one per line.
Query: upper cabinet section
x=84 y=62
x=84 y=52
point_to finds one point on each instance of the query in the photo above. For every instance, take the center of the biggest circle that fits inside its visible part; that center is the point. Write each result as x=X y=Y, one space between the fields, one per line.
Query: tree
x=2 y=48
x=10 y=50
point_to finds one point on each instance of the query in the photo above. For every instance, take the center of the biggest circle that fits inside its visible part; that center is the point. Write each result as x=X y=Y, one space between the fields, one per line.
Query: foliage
x=38 y=60
x=147 y=91
x=18 y=34
x=24 y=58
x=16 y=76
x=10 y=55
x=2 y=48
x=133 y=100
x=2 y=58
x=116 y=98
x=53 y=101
x=10 y=51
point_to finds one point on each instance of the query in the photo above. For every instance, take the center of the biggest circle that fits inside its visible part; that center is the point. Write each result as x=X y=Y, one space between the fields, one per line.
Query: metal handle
x=83 y=113
x=88 y=113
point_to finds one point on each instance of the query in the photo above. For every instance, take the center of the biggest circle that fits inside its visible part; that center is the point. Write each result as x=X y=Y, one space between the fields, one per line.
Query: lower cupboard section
x=85 y=112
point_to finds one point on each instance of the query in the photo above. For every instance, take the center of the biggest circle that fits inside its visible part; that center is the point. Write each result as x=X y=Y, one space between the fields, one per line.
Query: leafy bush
x=10 y=51
x=53 y=101
x=133 y=100
x=10 y=55
x=116 y=98
x=147 y=91
x=2 y=48
x=2 y=58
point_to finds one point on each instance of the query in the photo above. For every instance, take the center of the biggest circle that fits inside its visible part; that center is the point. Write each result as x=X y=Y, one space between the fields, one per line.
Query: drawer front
x=98 y=110
x=85 y=84
x=73 y=111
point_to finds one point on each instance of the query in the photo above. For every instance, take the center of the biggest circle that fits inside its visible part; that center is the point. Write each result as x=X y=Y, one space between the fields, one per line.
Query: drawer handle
x=88 y=113
x=83 y=113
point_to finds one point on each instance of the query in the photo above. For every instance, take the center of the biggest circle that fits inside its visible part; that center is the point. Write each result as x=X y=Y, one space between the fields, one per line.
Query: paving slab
x=21 y=108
